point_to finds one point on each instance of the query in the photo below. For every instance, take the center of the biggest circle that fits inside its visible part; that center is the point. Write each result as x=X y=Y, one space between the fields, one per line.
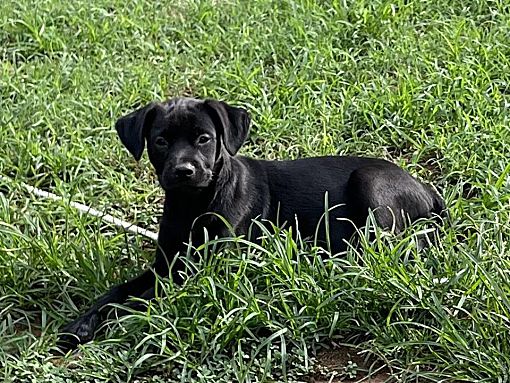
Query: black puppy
x=193 y=144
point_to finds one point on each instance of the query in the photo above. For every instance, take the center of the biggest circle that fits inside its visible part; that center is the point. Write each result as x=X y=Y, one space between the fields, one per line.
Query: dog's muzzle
x=185 y=175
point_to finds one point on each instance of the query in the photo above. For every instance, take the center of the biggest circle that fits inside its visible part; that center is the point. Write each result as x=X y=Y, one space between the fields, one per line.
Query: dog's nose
x=185 y=170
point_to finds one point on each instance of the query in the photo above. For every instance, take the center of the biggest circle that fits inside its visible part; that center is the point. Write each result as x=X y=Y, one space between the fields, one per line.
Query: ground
x=424 y=84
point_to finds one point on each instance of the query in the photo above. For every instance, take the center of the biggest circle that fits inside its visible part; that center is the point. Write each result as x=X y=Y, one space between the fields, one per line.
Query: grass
x=425 y=84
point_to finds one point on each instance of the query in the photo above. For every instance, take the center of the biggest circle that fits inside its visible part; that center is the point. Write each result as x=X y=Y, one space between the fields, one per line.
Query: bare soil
x=345 y=364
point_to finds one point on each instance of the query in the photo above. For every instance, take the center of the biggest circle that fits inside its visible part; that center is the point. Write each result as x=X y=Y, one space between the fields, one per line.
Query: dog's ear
x=234 y=124
x=132 y=129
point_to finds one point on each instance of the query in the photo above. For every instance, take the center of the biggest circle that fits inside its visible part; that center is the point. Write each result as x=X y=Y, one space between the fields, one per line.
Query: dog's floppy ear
x=234 y=124
x=132 y=129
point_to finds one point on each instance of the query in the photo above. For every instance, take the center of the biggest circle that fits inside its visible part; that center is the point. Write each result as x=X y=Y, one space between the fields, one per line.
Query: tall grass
x=422 y=83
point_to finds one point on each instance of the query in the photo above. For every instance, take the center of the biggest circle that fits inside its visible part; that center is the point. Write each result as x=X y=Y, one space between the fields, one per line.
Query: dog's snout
x=185 y=170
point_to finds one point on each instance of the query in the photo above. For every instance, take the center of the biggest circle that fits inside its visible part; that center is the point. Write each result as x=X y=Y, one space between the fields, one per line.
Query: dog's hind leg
x=394 y=197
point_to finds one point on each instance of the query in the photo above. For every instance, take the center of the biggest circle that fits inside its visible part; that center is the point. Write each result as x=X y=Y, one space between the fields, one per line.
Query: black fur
x=193 y=144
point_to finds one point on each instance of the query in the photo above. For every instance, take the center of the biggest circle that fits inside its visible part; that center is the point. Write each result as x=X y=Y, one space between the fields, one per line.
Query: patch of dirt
x=431 y=160
x=470 y=191
x=345 y=364
x=28 y=324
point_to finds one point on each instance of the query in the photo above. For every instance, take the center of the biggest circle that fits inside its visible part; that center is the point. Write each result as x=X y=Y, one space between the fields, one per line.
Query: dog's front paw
x=77 y=332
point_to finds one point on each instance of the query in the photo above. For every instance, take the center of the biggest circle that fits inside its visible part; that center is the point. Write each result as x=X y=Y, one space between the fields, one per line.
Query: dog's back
x=304 y=192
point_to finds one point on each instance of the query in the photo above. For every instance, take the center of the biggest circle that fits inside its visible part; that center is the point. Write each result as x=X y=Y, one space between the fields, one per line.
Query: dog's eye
x=203 y=139
x=160 y=141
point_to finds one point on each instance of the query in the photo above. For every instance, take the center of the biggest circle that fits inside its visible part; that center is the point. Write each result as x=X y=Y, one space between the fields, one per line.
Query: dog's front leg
x=83 y=329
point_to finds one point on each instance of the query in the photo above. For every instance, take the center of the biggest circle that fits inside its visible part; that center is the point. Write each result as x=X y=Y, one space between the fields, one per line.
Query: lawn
x=423 y=83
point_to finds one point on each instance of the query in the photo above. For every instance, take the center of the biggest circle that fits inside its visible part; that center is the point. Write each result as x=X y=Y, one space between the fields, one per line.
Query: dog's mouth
x=201 y=181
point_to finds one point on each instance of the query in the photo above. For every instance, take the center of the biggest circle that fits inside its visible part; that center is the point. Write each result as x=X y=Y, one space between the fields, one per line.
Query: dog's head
x=186 y=138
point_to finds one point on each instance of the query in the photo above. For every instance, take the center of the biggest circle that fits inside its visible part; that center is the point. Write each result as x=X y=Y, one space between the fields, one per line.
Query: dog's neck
x=230 y=187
